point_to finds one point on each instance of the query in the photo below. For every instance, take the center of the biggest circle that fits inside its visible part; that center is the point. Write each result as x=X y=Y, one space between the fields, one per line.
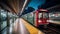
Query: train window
x=43 y=15
x=40 y=15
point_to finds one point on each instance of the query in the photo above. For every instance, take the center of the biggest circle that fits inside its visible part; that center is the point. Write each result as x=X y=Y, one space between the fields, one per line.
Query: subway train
x=42 y=17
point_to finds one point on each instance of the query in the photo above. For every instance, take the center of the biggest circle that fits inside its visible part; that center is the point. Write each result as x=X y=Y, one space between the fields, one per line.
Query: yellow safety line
x=31 y=29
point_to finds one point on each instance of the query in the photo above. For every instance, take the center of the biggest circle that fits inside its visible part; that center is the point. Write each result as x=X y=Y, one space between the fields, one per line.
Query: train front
x=42 y=17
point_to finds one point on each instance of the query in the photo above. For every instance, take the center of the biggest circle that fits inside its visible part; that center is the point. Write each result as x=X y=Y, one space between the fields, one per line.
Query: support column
x=8 y=23
x=0 y=19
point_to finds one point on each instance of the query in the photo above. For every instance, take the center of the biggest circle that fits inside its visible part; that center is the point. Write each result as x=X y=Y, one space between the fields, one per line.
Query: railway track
x=50 y=30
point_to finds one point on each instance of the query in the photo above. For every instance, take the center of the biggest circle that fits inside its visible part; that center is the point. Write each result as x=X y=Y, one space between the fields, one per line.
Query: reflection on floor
x=31 y=29
x=21 y=27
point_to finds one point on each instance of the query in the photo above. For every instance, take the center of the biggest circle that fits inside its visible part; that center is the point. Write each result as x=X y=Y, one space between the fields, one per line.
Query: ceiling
x=13 y=5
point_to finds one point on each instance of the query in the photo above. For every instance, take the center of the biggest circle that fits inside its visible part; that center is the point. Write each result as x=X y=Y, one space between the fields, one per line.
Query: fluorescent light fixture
x=43 y=10
x=23 y=6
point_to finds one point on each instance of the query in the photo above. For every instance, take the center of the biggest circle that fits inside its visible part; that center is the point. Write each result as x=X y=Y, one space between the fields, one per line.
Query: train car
x=42 y=17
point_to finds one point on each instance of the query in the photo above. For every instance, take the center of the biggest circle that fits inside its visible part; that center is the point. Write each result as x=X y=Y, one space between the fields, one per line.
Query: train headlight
x=39 y=20
x=47 y=20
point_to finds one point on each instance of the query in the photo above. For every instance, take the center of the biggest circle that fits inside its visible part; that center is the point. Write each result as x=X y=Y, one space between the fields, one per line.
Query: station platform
x=20 y=26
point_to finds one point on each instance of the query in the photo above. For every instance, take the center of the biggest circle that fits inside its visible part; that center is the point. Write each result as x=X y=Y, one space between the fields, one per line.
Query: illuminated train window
x=43 y=15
